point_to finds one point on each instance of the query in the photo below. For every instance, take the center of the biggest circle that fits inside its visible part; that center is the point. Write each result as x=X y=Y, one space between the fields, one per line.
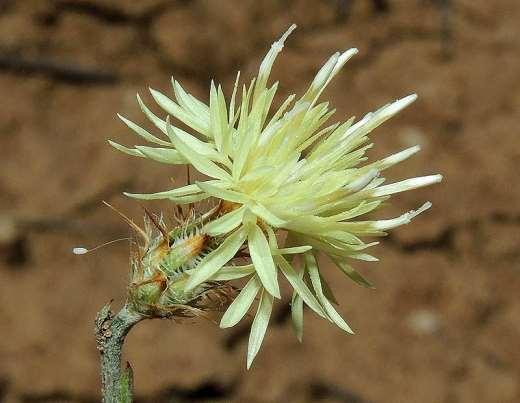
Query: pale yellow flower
x=282 y=172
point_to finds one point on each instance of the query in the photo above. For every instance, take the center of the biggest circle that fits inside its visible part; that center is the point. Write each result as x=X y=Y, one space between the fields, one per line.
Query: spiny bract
x=161 y=263
x=284 y=174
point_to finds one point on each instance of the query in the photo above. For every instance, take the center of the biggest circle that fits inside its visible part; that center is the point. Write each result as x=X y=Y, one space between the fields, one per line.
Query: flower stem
x=111 y=330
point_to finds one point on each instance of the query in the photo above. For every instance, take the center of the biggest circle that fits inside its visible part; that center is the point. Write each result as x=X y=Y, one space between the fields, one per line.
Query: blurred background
x=444 y=321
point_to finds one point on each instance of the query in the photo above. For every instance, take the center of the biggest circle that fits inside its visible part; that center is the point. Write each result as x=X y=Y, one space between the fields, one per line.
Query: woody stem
x=111 y=330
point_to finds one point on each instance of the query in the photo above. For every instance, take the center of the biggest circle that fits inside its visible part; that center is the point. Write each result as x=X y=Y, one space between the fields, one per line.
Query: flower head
x=288 y=184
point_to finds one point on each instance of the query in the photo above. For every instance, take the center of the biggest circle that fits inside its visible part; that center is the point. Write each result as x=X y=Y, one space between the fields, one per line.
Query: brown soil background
x=444 y=322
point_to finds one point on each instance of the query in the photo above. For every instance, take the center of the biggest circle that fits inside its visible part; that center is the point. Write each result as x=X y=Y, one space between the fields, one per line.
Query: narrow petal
x=188 y=190
x=233 y=272
x=160 y=196
x=327 y=291
x=158 y=122
x=312 y=267
x=212 y=263
x=130 y=151
x=164 y=155
x=267 y=63
x=239 y=307
x=300 y=287
x=143 y=133
x=191 y=104
x=297 y=315
x=321 y=78
x=263 y=260
x=405 y=185
x=201 y=163
x=363 y=208
x=361 y=182
x=352 y=274
x=205 y=149
x=404 y=219
x=222 y=193
x=232 y=101
x=327 y=73
x=266 y=215
x=259 y=326
x=227 y=223
x=297 y=312
x=295 y=250
x=394 y=159
x=179 y=113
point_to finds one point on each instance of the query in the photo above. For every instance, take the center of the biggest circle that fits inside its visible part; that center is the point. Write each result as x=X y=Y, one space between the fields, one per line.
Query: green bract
x=285 y=172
